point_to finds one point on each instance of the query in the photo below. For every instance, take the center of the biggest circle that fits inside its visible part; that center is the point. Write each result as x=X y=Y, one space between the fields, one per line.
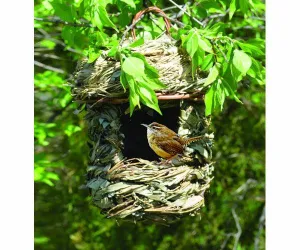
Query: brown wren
x=165 y=142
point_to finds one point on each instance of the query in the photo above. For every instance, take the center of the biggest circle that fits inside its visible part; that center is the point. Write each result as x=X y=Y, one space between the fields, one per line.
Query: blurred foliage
x=64 y=219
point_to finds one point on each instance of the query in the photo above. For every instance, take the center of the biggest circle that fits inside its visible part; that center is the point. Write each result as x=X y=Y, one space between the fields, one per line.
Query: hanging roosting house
x=124 y=176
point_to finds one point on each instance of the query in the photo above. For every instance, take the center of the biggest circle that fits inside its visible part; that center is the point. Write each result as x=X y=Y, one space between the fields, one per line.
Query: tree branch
x=238 y=234
x=39 y=64
x=48 y=36
x=215 y=16
x=128 y=29
x=48 y=56
x=260 y=228
x=59 y=21
x=179 y=7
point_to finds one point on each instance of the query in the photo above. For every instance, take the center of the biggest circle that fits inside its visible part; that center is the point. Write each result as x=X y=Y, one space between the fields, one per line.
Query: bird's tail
x=193 y=139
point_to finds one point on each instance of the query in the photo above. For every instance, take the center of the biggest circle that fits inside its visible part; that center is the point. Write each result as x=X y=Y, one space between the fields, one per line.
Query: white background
x=282 y=128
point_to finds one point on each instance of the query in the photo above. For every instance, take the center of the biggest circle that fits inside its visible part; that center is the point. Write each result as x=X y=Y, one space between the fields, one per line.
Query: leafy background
x=233 y=218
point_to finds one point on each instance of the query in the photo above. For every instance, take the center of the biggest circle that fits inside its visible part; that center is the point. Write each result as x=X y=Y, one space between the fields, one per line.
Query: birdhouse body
x=126 y=178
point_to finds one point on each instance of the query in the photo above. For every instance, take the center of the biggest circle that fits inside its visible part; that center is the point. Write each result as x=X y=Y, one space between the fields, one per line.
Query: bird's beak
x=145 y=125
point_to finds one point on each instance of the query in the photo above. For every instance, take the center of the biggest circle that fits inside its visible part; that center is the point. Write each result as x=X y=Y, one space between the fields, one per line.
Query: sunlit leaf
x=207 y=62
x=137 y=43
x=105 y=18
x=133 y=66
x=205 y=45
x=232 y=8
x=192 y=43
x=212 y=76
x=241 y=61
x=63 y=11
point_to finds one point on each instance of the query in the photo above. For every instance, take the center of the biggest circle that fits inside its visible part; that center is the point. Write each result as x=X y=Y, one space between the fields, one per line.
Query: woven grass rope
x=137 y=189
x=101 y=79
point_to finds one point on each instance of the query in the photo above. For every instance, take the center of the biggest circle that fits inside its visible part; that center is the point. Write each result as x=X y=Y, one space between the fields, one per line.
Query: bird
x=165 y=142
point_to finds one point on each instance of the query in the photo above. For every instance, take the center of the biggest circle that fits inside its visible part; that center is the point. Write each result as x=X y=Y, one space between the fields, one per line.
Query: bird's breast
x=155 y=147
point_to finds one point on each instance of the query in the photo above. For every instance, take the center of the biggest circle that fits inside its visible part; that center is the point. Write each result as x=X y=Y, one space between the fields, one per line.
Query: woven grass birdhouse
x=126 y=178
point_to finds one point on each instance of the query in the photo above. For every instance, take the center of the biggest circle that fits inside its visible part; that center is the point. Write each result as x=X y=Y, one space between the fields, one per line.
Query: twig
x=222 y=52
x=260 y=228
x=39 y=64
x=179 y=7
x=152 y=17
x=48 y=56
x=171 y=8
x=176 y=21
x=215 y=16
x=250 y=183
x=239 y=229
x=59 y=21
x=248 y=27
x=48 y=36
x=181 y=12
x=128 y=29
x=226 y=240
x=258 y=18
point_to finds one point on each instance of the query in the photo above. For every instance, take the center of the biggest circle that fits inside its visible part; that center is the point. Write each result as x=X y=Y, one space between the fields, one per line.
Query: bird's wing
x=171 y=146
x=179 y=139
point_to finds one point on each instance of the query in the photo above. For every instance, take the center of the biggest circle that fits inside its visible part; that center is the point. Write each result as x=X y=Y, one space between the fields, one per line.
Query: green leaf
x=207 y=62
x=229 y=56
x=130 y=3
x=63 y=11
x=123 y=80
x=151 y=73
x=71 y=129
x=142 y=79
x=215 y=97
x=192 y=43
x=41 y=240
x=250 y=48
x=154 y=84
x=241 y=61
x=205 y=45
x=133 y=66
x=96 y=20
x=124 y=19
x=232 y=8
x=113 y=51
x=48 y=44
x=212 y=6
x=244 y=5
x=148 y=97
x=68 y=34
x=197 y=60
x=209 y=100
x=220 y=95
x=137 y=43
x=231 y=89
x=93 y=54
x=105 y=19
x=200 y=12
x=216 y=28
x=134 y=99
x=213 y=74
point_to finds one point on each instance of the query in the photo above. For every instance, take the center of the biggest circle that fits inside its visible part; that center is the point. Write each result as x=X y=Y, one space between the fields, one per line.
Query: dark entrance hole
x=135 y=142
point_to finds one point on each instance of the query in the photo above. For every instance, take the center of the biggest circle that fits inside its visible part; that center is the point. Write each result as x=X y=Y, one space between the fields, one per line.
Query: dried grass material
x=101 y=78
x=138 y=189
